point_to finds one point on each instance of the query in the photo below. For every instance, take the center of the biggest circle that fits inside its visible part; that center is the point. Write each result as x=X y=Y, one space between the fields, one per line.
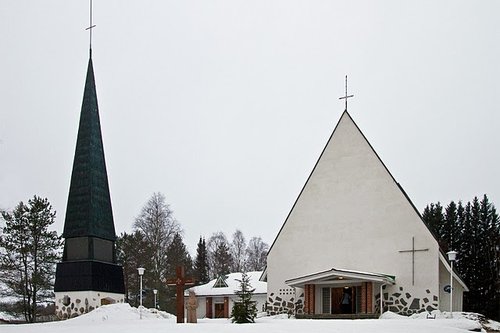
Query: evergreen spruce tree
x=458 y=245
x=474 y=278
x=490 y=232
x=434 y=219
x=132 y=252
x=473 y=231
x=29 y=253
x=223 y=260
x=244 y=309
x=465 y=251
x=178 y=255
x=451 y=229
x=201 y=263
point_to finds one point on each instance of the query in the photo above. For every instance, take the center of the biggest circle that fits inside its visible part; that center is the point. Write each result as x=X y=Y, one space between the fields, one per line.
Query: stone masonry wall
x=404 y=303
x=73 y=304
x=285 y=301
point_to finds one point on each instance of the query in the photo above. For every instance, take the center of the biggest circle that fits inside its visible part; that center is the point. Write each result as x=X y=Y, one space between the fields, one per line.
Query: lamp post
x=452 y=255
x=155 y=291
x=141 y=272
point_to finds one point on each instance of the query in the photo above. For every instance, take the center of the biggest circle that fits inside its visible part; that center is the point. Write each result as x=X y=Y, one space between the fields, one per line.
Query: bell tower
x=88 y=275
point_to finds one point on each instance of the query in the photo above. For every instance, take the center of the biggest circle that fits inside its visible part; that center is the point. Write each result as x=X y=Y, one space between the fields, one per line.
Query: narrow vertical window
x=326 y=300
x=358 y=300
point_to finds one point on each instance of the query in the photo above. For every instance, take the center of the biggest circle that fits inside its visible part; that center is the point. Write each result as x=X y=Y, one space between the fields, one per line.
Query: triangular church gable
x=352 y=214
x=345 y=118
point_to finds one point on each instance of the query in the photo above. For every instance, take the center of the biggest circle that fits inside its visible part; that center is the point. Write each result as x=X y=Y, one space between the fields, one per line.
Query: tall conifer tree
x=433 y=218
x=132 y=252
x=451 y=229
x=178 y=255
x=29 y=254
x=473 y=231
x=201 y=262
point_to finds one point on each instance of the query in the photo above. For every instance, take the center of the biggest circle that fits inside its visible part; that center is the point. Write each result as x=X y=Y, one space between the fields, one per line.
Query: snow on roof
x=232 y=285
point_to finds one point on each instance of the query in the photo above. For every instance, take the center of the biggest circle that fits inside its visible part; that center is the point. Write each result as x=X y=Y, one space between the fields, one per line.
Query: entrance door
x=337 y=300
x=343 y=300
x=219 y=310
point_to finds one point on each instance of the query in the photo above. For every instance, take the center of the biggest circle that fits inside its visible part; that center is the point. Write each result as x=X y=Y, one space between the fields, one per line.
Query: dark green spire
x=89 y=204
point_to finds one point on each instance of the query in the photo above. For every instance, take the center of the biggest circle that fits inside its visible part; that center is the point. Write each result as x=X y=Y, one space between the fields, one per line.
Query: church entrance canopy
x=339 y=292
x=340 y=276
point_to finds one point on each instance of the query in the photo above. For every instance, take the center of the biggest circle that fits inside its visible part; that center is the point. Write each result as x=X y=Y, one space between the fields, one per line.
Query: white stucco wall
x=444 y=297
x=352 y=215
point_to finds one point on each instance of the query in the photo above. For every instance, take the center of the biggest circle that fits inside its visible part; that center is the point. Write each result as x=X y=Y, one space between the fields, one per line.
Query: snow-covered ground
x=121 y=318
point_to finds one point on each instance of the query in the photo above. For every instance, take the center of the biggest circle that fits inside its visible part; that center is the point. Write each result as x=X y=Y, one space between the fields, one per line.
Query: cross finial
x=91 y=26
x=346 y=96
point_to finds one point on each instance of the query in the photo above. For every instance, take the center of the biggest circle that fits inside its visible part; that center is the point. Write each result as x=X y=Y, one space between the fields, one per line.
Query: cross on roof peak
x=346 y=96
x=90 y=27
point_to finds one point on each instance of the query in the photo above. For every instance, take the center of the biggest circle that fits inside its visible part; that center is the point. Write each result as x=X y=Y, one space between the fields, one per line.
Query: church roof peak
x=346 y=124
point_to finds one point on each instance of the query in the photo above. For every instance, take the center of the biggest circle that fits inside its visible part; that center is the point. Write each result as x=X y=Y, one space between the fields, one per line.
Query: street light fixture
x=141 y=273
x=155 y=291
x=452 y=256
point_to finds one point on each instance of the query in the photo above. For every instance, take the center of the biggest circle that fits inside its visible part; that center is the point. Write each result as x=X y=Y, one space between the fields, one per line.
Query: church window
x=358 y=297
x=221 y=282
x=326 y=300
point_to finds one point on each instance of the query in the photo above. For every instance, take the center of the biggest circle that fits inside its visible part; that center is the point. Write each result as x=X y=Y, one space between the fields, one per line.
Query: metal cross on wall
x=346 y=96
x=413 y=250
x=180 y=282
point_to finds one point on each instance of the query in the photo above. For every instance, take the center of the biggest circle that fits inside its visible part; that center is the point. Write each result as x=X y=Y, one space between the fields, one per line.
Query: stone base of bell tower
x=82 y=286
x=71 y=304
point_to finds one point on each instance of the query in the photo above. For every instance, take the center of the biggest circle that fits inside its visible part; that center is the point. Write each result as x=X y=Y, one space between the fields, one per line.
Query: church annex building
x=217 y=297
x=353 y=242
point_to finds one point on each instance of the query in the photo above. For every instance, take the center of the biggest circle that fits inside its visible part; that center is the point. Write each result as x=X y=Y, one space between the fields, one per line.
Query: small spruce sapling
x=244 y=309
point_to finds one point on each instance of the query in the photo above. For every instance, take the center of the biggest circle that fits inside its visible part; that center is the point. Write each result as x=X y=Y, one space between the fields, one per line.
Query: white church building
x=353 y=242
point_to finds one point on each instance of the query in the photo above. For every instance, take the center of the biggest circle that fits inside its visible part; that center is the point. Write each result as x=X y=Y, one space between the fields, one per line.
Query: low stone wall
x=285 y=303
x=404 y=303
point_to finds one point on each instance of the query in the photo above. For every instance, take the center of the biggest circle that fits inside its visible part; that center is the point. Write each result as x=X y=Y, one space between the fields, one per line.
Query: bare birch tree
x=219 y=257
x=238 y=252
x=157 y=224
x=256 y=254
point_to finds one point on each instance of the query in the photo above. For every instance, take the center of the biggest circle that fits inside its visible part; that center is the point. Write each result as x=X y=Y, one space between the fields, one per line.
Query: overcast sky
x=225 y=106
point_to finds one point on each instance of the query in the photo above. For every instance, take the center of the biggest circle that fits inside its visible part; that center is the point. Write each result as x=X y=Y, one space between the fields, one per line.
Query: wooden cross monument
x=180 y=282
